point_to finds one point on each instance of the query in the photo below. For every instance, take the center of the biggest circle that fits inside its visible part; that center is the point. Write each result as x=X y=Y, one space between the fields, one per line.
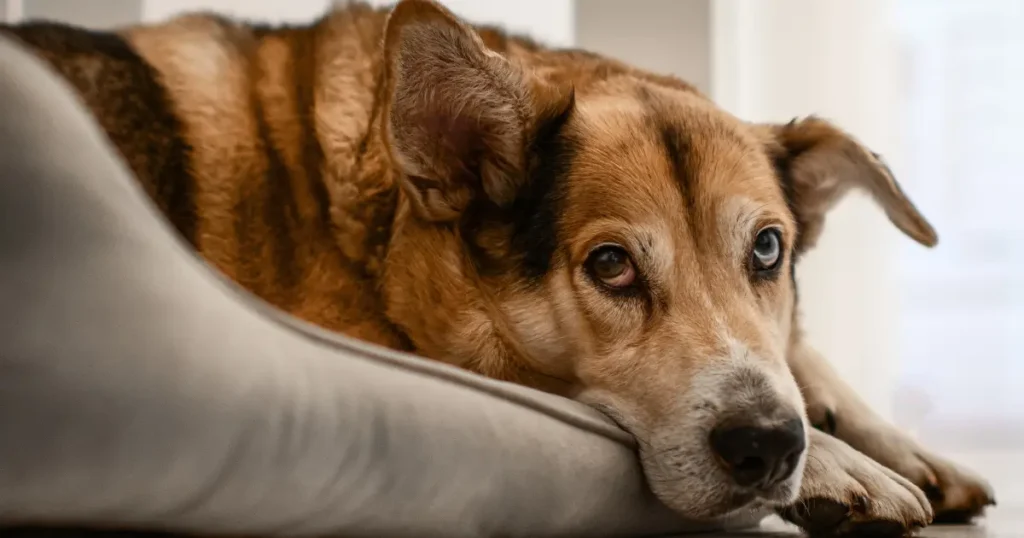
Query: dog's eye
x=611 y=265
x=767 y=251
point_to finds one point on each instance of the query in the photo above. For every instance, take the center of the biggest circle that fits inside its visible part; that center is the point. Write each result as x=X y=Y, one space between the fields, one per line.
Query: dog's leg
x=956 y=494
x=845 y=492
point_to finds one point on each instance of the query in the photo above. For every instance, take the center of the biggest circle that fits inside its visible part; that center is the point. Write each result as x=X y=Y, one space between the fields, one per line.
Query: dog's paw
x=957 y=495
x=846 y=493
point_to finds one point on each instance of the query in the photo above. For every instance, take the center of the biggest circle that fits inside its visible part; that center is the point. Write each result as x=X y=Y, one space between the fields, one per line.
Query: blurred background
x=932 y=338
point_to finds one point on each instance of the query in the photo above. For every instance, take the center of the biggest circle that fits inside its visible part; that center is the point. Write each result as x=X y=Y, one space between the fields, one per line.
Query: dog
x=552 y=218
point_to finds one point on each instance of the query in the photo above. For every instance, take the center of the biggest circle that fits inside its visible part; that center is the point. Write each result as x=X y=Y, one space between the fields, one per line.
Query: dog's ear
x=818 y=163
x=459 y=116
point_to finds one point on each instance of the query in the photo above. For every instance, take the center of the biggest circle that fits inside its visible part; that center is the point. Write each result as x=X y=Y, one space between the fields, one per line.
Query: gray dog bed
x=138 y=389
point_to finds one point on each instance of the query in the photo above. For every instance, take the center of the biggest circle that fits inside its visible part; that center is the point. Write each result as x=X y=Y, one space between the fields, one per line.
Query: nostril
x=751 y=465
x=759 y=456
x=741 y=452
x=750 y=470
x=785 y=469
x=793 y=459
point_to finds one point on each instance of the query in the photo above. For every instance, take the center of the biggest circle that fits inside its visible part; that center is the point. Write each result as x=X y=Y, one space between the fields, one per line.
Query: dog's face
x=670 y=289
x=627 y=244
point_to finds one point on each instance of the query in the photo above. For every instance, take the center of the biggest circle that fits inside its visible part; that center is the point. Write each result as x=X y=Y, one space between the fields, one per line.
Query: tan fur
x=406 y=179
x=246 y=79
x=219 y=113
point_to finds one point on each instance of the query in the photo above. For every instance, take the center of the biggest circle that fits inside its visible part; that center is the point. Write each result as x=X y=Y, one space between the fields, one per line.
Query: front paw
x=844 y=492
x=957 y=495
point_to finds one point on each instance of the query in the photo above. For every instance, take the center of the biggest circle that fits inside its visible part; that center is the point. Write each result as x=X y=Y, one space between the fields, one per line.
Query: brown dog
x=548 y=217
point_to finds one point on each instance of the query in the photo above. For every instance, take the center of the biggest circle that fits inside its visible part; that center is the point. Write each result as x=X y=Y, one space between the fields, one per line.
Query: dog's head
x=623 y=242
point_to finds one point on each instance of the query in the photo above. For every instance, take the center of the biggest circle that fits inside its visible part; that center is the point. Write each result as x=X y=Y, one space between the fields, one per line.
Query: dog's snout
x=758 y=456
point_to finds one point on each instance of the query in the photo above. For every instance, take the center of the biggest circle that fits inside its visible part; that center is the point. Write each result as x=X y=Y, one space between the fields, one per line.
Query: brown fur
x=408 y=180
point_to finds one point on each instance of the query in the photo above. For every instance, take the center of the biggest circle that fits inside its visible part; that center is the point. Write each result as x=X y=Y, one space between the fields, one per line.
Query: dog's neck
x=364 y=200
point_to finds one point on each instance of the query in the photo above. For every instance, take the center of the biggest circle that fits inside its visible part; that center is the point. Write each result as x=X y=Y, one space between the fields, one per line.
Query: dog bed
x=141 y=390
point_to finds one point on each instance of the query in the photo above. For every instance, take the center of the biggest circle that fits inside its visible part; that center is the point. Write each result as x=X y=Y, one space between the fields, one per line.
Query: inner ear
x=818 y=164
x=459 y=116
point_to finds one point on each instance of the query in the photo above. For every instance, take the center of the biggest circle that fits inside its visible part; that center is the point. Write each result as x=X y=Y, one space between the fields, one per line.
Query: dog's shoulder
x=91 y=60
x=127 y=99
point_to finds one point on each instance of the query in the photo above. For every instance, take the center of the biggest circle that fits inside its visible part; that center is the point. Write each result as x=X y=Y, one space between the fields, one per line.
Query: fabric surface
x=139 y=389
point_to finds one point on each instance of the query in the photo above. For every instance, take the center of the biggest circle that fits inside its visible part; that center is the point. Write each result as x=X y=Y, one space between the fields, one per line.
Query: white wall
x=777 y=60
x=549 y=21
x=664 y=36
x=291 y=11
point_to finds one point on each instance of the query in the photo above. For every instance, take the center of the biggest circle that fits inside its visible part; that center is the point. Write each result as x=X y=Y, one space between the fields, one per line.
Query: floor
x=1000 y=523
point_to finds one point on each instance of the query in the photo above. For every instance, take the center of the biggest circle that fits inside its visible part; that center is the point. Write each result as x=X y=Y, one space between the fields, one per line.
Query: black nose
x=756 y=456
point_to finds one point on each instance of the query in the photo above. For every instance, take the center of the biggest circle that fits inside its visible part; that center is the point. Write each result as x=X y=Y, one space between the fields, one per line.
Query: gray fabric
x=138 y=388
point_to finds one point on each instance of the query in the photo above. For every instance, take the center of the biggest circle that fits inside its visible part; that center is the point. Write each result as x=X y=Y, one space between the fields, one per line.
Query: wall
x=664 y=36
x=291 y=11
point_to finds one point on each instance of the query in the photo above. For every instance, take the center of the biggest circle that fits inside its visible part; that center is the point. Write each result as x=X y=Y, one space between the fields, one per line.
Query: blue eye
x=767 y=252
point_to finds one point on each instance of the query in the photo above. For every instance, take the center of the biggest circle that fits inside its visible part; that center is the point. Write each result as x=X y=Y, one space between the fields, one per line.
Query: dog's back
x=255 y=142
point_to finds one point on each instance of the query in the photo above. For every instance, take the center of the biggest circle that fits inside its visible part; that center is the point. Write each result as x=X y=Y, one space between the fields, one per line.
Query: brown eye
x=612 y=265
x=767 y=252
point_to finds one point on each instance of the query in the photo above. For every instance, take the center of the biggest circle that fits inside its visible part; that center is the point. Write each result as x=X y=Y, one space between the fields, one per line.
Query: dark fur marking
x=782 y=170
x=532 y=218
x=131 y=104
x=535 y=211
x=783 y=161
x=304 y=76
x=280 y=213
x=272 y=204
x=677 y=149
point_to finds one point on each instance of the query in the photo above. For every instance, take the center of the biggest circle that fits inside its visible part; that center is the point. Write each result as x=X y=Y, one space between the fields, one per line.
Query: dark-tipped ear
x=818 y=163
x=459 y=116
